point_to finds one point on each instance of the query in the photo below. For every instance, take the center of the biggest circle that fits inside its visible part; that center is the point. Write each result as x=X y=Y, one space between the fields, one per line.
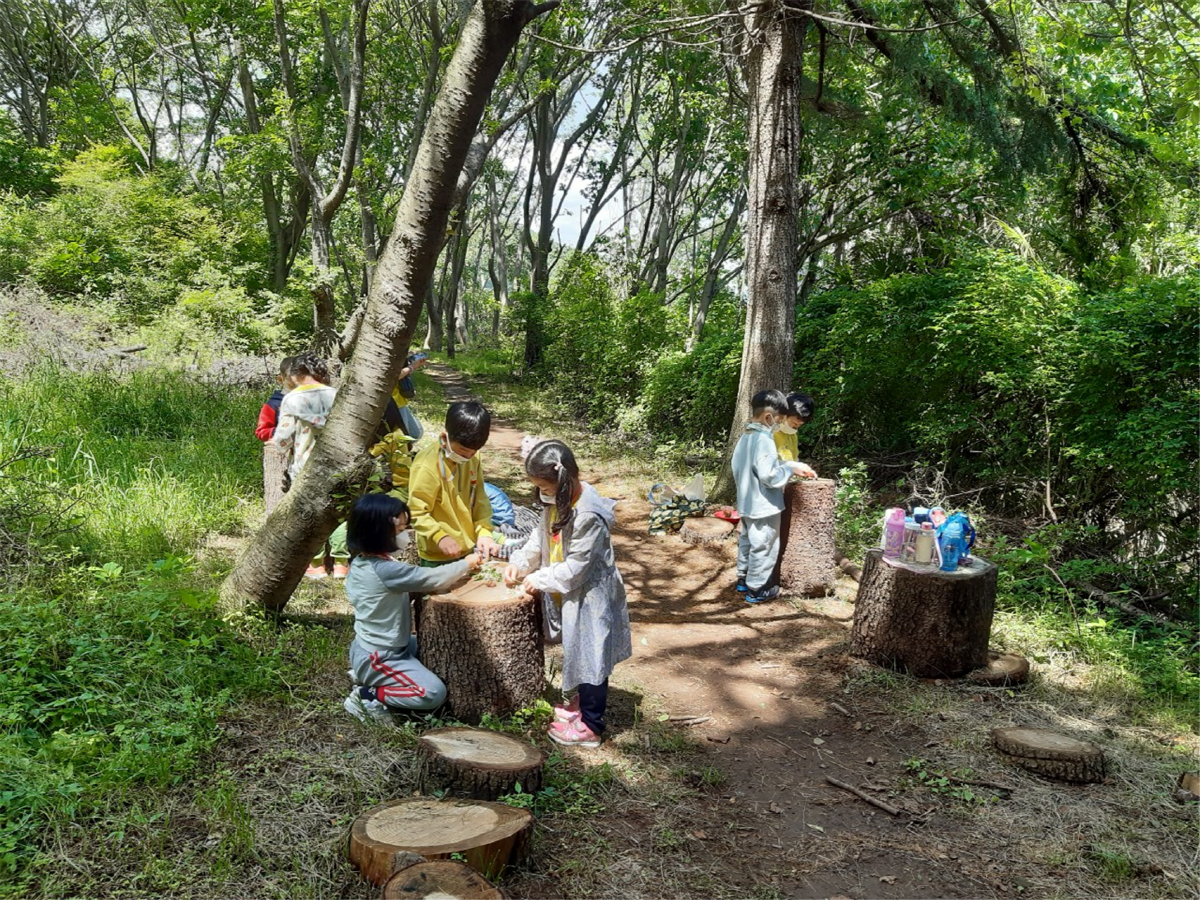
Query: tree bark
x=806 y=550
x=931 y=624
x=486 y=646
x=274 y=561
x=773 y=64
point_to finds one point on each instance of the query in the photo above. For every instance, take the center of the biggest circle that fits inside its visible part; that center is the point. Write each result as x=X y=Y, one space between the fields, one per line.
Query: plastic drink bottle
x=893 y=532
x=951 y=544
x=912 y=531
x=925 y=541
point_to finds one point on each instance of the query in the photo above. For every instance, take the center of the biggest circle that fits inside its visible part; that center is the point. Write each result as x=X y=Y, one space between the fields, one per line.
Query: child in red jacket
x=268 y=416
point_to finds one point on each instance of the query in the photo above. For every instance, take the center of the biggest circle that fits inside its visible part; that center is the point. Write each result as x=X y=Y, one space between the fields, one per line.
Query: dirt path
x=766 y=677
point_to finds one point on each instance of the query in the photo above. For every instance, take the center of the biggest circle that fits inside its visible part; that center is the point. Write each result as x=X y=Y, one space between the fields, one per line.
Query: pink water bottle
x=893 y=532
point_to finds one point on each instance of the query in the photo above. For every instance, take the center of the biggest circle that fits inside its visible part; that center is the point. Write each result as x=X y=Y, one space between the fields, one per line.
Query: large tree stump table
x=929 y=623
x=485 y=642
x=807 y=564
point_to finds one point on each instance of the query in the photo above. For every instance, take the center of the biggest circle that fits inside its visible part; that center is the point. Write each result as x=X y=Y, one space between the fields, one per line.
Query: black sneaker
x=741 y=584
x=771 y=593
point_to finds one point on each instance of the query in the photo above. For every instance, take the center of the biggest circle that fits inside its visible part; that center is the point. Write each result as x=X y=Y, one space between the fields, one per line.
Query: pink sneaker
x=340 y=571
x=574 y=734
x=316 y=573
x=567 y=712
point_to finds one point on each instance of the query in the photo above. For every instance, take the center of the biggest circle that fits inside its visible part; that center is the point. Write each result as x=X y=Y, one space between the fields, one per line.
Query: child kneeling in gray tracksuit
x=383 y=654
x=760 y=476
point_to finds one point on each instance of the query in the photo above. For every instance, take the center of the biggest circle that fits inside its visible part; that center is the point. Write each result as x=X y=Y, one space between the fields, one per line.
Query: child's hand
x=487 y=547
x=449 y=547
x=527 y=585
x=474 y=561
x=803 y=471
x=511 y=576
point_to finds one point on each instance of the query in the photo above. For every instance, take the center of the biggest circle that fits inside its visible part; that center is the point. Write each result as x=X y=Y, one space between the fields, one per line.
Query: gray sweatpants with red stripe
x=399 y=680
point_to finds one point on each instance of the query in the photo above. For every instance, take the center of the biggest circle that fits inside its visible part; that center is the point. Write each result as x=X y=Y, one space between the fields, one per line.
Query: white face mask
x=456 y=458
x=403 y=540
x=786 y=428
x=548 y=499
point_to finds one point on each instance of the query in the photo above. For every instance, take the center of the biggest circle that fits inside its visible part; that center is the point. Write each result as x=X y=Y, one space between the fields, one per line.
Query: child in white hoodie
x=569 y=558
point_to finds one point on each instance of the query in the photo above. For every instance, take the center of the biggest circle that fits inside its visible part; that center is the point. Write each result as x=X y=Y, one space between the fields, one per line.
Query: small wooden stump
x=1002 y=670
x=1051 y=754
x=928 y=623
x=489 y=836
x=275 y=465
x=806 y=550
x=705 y=530
x=477 y=763
x=485 y=642
x=442 y=879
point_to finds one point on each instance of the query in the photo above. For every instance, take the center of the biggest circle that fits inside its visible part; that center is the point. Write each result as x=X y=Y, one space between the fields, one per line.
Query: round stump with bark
x=478 y=763
x=1051 y=754
x=806 y=540
x=929 y=623
x=275 y=464
x=442 y=879
x=489 y=837
x=485 y=642
x=705 y=530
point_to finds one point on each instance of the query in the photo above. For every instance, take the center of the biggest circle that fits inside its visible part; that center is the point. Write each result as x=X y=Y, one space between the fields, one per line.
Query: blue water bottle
x=951 y=543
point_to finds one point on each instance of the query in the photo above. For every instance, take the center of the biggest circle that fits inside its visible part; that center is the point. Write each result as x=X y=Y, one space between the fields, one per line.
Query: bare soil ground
x=767 y=679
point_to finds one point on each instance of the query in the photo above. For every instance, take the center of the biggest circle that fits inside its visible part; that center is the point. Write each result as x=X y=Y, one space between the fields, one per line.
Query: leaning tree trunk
x=274 y=561
x=773 y=62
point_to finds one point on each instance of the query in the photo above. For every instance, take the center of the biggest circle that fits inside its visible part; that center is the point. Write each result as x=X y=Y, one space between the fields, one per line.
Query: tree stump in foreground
x=275 y=464
x=485 y=642
x=489 y=836
x=929 y=623
x=442 y=879
x=806 y=550
x=705 y=530
x=477 y=763
x=1051 y=754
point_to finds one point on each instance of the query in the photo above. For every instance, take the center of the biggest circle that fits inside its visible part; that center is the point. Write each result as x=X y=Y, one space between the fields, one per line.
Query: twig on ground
x=688 y=720
x=785 y=746
x=845 y=712
x=886 y=807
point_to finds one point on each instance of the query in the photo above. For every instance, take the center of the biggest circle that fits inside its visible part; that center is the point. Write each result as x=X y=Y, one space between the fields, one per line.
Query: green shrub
x=690 y=395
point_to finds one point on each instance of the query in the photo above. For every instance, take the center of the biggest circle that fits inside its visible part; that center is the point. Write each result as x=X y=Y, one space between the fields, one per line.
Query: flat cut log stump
x=807 y=564
x=478 y=763
x=928 y=623
x=705 y=530
x=442 y=879
x=485 y=642
x=1051 y=754
x=1002 y=670
x=488 y=836
x=275 y=464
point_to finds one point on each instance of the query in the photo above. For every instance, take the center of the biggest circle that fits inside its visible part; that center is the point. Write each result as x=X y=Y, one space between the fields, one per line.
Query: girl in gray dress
x=569 y=559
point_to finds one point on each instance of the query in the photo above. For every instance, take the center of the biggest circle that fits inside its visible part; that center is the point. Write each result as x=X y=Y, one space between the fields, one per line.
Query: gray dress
x=594 y=617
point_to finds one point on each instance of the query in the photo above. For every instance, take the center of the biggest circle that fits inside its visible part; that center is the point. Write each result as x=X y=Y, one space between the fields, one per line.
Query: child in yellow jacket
x=800 y=410
x=450 y=510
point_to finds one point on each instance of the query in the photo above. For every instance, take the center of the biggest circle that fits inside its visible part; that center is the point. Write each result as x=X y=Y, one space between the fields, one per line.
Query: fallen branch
x=887 y=808
x=1094 y=593
x=844 y=563
x=845 y=712
x=688 y=720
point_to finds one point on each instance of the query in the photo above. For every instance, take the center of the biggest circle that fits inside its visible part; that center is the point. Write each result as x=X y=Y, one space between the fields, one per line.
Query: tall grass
x=118 y=662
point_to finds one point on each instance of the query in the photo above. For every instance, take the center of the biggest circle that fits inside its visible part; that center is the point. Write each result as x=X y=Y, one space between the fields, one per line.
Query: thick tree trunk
x=478 y=763
x=773 y=65
x=275 y=465
x=486 y=645
x=274 y=561
x=931 y=624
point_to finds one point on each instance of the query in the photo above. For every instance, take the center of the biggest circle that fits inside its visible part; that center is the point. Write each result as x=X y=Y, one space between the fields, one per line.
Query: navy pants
x=593 y=698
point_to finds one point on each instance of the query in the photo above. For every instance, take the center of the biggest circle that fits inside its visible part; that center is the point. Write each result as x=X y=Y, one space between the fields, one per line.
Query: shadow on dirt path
x=764 y=679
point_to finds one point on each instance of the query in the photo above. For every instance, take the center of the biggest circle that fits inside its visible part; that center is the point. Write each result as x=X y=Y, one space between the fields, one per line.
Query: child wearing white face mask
x=760 y=476
x=451 y=513
x=383 y=655
x=800 y=410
